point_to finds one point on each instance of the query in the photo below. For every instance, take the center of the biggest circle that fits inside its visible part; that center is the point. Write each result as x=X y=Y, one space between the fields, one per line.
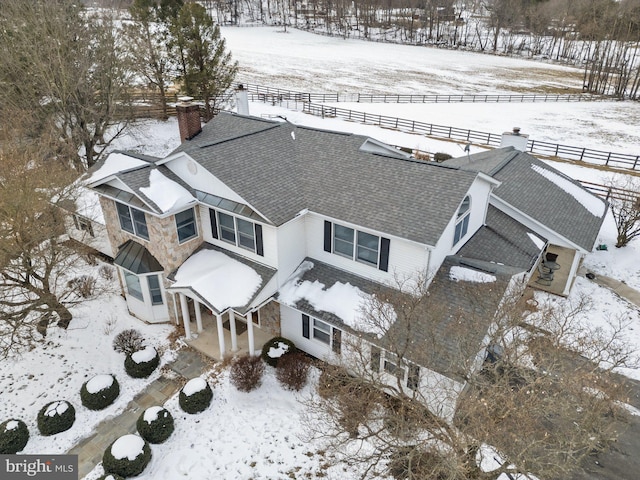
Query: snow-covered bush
x=99 y=392
x=441 y=157
x=127 y=456
x=246 y=372
x=56 y=417
x=293 y=370
x=142 y=363
x=155 y=424
x=195 y=396
x=275 y=348
x=14 y=435
x=110 y=476
x=128 y=341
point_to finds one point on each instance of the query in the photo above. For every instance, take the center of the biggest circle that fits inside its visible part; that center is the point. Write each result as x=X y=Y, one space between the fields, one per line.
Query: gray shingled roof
x=280 y=169
x=502 y=240
x=136 y=258
x=535 y=195
x=265 y=273
x=456 y=316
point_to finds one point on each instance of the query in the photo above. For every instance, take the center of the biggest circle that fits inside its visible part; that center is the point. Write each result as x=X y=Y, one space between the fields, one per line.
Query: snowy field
x=259 y=435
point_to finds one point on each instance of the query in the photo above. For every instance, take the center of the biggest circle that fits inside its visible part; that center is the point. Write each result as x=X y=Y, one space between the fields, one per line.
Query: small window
x=246 y=235
x=343 y=240
x=255 y=317
x=124 y=215
x=133 y=285
x=154 y=290
x=227 y=228
x=83 y=224
x=368 y=248
x=462 y=221
x=321 y=331
x=392 y=365
x=140 y=223
x=132 y=220
x=186 y=225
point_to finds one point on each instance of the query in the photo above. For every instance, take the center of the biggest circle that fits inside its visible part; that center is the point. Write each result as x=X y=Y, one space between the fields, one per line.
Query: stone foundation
x=270 y=318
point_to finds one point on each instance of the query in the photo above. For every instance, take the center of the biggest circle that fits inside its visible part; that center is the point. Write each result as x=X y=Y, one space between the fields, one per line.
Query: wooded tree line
x=602 y=36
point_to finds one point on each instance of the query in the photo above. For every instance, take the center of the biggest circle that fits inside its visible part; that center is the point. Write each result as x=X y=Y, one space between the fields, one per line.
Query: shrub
x=84 y=285
x=275 y=348
x=56 y=417
x=106 y=272
x=127 y=456
x=195 y=396
x=441 y=157
x=142 y=363
x=246 y=373
x=293 y=370
x=14 y=436
x=128 y=341
x=155 y=424
x=99 y=392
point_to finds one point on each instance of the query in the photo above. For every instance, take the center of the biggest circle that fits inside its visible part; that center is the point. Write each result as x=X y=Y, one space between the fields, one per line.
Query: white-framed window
x=236 y=231
x=155 y=291
x=357 y=245
x=132 y=220
x=462 y=220
x=315 y=329
x=186 y=225
x=133 y=285
x=393 y=365
x=83 y=224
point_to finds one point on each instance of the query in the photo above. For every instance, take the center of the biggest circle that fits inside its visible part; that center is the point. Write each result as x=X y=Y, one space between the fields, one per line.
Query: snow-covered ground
x=258 y=434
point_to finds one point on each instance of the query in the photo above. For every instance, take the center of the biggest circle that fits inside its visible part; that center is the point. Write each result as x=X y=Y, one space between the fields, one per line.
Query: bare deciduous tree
x=624 y=201
x=535 y=405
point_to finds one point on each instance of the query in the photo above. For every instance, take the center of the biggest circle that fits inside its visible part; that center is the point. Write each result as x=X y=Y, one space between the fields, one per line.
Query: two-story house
x=254 y=228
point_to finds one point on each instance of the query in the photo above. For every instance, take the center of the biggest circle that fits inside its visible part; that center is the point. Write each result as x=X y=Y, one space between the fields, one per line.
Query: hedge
x=14 y=436
x=56 y=417
x=102 y=398
x=195 y=396
x=276 y=344
x=141 y=364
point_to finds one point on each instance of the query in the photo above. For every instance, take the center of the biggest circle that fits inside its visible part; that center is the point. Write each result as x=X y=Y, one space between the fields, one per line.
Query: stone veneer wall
x=270 y=318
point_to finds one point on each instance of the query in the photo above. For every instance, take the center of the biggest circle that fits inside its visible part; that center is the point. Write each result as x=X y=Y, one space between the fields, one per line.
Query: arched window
x=462 y=220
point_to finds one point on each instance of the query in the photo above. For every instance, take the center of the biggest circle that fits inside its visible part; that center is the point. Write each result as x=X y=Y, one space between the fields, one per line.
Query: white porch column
x=175 y=307
x=198 y=315
x=234 y=335
x=220 y=335
x=185 y=315
x=252 y=345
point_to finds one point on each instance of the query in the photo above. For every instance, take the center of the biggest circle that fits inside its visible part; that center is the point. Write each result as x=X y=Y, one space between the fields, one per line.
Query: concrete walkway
x=621 y=289
x=187 y=365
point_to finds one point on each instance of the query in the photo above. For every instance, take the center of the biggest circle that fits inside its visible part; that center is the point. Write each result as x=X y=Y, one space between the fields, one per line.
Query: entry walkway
x=187 y=365
x=621 y=289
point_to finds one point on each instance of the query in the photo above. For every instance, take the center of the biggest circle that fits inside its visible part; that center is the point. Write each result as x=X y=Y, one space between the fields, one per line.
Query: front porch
x=562 y=277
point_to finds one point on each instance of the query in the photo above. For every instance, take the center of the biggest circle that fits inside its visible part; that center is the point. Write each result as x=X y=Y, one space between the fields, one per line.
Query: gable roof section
x=136 y=258
x=503 y=240
x=280 y=169
x=528 y=185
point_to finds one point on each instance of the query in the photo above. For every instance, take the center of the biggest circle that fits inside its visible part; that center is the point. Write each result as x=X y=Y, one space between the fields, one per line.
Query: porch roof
x=221 y=279
x=136 y=258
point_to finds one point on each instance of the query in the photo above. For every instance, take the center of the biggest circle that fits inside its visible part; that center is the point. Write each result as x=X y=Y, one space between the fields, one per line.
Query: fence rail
x=270 y=94
x=568 y=152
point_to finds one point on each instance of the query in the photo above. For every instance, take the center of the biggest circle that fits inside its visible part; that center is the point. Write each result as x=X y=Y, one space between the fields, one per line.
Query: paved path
x=187 y=365
x=620 y=288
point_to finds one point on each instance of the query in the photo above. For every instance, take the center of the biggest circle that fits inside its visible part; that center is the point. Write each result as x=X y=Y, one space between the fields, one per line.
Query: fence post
x=608 y=158
x=635 y=163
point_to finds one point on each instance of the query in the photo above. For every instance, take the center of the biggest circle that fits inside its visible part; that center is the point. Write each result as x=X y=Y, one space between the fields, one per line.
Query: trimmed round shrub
x=99 y=392
x=275 y=348
x=293 y=370
x=14 y=436
x=110 y=476
x=195 y=396
x=246 y=373
x=128 y=456
x=142 y=363
x=56 y=417
x=155 y=424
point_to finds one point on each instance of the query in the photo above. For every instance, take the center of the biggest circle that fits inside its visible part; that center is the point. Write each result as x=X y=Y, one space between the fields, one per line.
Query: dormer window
x=462 y=220
x=132 y=220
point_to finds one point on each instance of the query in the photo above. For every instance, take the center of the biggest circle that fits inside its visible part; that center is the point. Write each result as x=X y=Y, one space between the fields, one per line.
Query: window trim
x=356 y=245
x=318 y=331
x=83 y=224
x=395 y=366
x=217 y=229
x=462 y=220
x=193 y=222
x=311 y=325
x=157 y=289
x=135 y=229
x=132 y=292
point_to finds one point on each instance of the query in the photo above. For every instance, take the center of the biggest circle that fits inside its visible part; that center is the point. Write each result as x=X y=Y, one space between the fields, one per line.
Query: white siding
x=269 y=237
x=292 y=247
x=405 y=258
x=291 y=328
x=143 y=309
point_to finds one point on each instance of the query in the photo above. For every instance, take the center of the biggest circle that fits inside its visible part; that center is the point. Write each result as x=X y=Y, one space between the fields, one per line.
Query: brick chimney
x=188 y=118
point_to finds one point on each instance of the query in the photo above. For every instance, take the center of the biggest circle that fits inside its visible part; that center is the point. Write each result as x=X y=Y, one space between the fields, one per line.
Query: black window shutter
x=384 y=254
x=375 y=359
x=259 y=246
x=305 y=325
x=327 y=236
x=214 y=223
x=337 y=341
